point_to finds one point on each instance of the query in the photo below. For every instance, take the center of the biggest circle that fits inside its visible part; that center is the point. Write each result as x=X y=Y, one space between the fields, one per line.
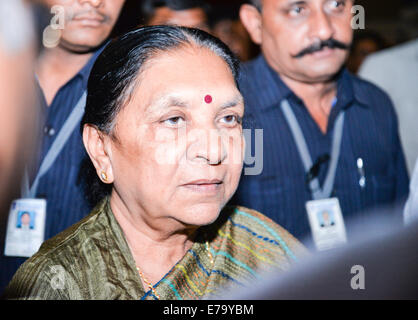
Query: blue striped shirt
x=370 y=132
x=61 y=186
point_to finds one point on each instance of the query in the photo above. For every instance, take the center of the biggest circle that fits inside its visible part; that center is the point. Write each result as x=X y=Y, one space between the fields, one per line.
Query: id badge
x=327 y=223
x=25 y=228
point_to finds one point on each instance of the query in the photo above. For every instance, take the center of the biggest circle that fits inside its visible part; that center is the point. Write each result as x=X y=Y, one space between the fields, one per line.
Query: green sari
x=92 y=260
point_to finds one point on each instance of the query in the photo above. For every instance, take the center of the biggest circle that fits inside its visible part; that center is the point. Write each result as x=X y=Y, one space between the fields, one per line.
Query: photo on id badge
x=26 y=220
x=326 y=219
x=25 y=230
x=327 y=223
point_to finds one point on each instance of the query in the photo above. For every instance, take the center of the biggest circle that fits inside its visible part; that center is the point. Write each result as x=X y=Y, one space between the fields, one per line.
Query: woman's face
x=178 y=144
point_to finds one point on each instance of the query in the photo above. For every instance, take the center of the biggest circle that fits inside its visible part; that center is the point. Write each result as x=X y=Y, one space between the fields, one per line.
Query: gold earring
x=103 y=176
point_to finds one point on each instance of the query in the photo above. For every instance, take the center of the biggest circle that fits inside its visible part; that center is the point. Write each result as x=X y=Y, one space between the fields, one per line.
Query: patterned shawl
x=92 y=260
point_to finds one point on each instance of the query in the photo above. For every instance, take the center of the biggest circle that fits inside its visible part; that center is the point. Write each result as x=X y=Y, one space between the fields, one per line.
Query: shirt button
x=49 y=131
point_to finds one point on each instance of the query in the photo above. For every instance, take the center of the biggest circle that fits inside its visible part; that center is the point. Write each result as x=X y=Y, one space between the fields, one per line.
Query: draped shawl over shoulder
x=92 y=260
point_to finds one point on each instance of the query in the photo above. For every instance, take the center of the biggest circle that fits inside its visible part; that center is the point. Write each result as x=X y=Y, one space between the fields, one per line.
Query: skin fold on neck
x=156 y=244
x=317 y=98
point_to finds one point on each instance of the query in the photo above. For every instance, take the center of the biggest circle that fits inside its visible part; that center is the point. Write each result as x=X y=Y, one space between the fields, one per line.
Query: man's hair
x=149 y=7
x=256 y=3
x=369 y=35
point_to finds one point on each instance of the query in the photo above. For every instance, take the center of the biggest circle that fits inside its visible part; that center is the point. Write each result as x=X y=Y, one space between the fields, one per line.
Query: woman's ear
x=252 y=20
x=96 y=145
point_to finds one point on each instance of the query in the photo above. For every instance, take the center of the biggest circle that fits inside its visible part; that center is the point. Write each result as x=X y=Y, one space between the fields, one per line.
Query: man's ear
x=252 y=20
x=96 y=146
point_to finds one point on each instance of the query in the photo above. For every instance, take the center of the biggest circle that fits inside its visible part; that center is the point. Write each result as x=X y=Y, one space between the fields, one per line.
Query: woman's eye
x=174 y=121
x=230 y=119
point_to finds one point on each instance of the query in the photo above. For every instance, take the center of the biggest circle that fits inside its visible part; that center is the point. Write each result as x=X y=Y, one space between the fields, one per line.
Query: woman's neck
x=156 y=244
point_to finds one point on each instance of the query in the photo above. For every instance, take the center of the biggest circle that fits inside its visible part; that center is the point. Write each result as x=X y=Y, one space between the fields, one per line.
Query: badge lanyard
x=317 y=192
x=67 y=129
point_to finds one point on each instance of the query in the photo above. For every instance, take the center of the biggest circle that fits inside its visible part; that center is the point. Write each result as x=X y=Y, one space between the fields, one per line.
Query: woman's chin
x=201 y=214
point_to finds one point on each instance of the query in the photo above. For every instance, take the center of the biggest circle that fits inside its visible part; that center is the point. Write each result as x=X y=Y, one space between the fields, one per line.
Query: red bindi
x=208 y=98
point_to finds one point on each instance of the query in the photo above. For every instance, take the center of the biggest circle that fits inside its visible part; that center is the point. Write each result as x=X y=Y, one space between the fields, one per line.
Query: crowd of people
x=123 y=156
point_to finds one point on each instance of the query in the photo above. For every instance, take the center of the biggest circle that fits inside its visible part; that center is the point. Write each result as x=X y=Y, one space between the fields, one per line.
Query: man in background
x=327 y=134
x=364 y=44
x=17 y=120
x=227 y=26
x=187 y=13
x=62 y=72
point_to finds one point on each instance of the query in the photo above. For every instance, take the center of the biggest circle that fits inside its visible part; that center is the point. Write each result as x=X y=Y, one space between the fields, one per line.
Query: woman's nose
x=206 y=145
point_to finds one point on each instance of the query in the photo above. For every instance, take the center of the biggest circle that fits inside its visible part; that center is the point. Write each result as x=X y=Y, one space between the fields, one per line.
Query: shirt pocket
x=383 y=189
x=281 y=198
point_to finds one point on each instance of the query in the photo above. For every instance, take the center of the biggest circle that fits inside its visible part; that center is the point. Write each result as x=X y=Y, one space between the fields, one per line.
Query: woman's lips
x=204 y=186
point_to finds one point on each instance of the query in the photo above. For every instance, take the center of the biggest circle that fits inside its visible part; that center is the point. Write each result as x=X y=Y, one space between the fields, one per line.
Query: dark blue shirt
x=370 y=132
x=62 y=186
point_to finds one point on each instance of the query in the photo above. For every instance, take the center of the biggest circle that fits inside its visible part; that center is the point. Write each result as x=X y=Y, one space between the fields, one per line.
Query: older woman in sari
x=163 y=130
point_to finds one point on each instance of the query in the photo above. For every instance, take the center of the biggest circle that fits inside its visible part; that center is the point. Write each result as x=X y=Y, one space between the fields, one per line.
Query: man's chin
x=80 y=46
x=317 y=75
x=323 y=68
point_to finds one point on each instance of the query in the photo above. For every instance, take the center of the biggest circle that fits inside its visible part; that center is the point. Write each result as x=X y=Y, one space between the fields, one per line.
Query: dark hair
x=256 y=3
x=223 y=11
x=148 y=7
x=368 y=35
x=113 y=76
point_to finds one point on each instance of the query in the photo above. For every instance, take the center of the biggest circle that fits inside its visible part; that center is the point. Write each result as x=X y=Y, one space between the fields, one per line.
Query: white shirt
x=15 y=25
x=395 y=70
x=411 y=207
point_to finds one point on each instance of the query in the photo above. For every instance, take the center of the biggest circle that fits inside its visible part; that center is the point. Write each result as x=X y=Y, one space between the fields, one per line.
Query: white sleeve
x=375 y=69
x=16 y=26
x=411 y=207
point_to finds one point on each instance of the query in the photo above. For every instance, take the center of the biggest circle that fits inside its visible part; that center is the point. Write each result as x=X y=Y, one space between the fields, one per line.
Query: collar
x=266 y=83
x=84 y=73
x=273 y=90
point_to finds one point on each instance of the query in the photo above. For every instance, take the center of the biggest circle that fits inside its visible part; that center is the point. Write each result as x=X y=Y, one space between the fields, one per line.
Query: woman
x=163 y=130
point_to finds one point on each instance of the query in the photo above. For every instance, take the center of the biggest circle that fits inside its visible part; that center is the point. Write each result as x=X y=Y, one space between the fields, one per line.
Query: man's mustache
x=75 y=15
x=331 y=43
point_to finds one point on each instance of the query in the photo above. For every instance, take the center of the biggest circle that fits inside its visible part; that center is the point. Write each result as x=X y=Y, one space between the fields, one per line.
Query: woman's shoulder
x=253 y=226
x=247 y=215
x=84 y=230
x=43 y=274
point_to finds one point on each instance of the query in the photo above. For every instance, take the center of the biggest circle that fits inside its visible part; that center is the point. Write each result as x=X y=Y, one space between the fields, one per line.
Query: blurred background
x=394 y=21
x=388 y=23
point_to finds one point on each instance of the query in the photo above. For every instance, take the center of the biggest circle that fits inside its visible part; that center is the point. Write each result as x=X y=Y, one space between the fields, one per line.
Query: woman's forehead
x=222 y=100
x=184 y=77
x=198 y=65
